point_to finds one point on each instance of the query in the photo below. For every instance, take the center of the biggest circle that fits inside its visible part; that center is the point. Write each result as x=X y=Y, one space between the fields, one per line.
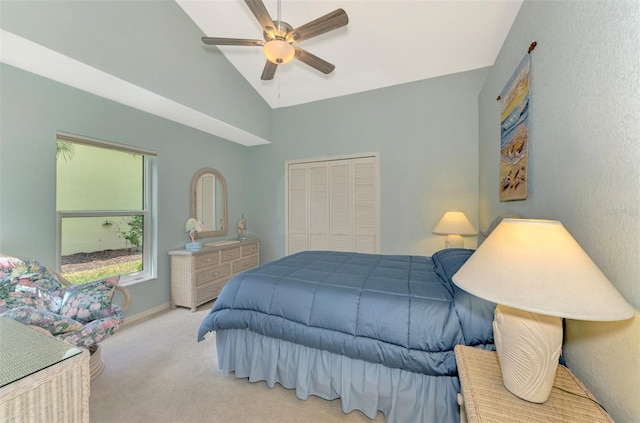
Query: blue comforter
x=400 y=311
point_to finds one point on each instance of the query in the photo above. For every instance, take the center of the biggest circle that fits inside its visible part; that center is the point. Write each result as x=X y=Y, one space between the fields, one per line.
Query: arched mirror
x=209 y=202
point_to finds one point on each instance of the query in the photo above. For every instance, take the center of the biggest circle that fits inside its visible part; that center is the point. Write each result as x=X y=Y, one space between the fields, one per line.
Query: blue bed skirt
x=402 y=396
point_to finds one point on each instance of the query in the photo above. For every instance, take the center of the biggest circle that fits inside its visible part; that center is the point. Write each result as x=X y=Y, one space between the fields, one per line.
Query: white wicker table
x=42 y=379
x=485 y=399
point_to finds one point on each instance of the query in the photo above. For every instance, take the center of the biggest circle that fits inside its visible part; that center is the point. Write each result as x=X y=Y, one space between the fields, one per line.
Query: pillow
x=89 y=301
x=449 y=261
x=8 y=274
x=54 y=323
x=483 y=235
x=26 y=275
x=51 y=300
x=475 y=314
x=17 y=299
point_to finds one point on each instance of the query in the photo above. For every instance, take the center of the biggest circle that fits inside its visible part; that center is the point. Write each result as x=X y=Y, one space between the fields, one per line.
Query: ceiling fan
x=279 y=37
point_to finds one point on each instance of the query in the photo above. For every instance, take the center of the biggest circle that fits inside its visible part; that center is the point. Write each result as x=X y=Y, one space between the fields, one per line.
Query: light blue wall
x=584 y=164
x=152 y=44
x=427 y=135
x=32 y=109
x=132 y=40
x=415 y=127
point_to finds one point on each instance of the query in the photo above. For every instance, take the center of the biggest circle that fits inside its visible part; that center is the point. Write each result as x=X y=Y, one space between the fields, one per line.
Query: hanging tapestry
x=513 y=134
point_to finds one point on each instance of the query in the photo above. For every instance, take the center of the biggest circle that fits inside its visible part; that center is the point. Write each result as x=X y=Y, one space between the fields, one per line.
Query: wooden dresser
x=198 y=276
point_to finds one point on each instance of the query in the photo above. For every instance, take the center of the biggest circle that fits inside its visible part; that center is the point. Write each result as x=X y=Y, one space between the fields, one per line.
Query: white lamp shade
x=537 y=266
x=454 y=223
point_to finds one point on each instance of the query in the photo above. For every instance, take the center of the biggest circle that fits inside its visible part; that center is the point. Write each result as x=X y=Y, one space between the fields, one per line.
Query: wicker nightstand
x=485 y=399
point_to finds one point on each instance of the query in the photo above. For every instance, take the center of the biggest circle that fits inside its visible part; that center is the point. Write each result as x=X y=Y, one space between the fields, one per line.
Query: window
x=104 y=206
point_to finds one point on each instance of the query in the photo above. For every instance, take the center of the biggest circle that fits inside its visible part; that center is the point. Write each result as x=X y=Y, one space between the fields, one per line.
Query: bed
x=376 y=331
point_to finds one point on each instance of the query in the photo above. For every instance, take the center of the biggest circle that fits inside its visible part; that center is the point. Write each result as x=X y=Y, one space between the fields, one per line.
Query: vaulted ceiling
x=385 y=43
x=158 y=64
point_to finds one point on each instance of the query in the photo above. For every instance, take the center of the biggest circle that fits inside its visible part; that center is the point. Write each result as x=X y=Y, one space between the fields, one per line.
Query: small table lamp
x=537 y=274
x=454 y=225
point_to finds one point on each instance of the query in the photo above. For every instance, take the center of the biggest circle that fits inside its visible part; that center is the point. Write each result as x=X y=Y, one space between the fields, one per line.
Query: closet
x=332 y=204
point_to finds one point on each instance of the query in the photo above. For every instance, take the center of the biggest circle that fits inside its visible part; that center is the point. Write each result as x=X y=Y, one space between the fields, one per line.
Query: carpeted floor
x=157 y=372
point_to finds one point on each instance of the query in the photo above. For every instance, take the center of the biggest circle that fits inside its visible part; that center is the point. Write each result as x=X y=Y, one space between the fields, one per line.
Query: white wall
x=584 y=164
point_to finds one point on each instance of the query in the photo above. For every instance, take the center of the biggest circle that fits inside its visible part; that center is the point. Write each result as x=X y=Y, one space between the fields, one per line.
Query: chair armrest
x=127 y=297
x=62 y=279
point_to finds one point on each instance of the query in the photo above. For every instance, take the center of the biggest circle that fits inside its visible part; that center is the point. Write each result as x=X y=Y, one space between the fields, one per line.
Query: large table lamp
x=454 y=224
x=537 y=274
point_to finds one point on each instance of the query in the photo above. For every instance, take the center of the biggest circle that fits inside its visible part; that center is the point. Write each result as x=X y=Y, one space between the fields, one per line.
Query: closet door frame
x=328 y=160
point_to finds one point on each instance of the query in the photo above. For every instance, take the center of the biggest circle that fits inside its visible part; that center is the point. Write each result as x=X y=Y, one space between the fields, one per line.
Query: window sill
x=135 y=281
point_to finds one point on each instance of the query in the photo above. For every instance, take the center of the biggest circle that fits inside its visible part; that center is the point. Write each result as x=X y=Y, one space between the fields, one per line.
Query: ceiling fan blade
x=213 y=41
x=336 y=19
x=259 y=10
x=269 y=71
x=314 y=61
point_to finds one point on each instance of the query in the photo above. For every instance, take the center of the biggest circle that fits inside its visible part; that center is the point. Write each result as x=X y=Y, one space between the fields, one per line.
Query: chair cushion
x=89 y=301
x=95 y=331
x=19 y=299
x=25 y=275
x=54 y=323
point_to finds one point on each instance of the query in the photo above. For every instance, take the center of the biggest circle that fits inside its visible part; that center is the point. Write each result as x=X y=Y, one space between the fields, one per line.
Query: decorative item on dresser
x=198 y=276
x=193 y=227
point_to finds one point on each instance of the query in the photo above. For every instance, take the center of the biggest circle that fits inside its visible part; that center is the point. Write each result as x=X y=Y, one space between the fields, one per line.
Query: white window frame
x=148 y=212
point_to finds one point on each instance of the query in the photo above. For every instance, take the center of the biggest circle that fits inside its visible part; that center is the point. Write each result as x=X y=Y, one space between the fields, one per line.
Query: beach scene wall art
x=513 y=134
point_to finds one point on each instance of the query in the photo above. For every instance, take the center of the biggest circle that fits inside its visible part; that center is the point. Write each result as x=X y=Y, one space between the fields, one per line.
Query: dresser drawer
x=204 y=260
x=249 y=249
x=214 y=273
x=244 y=264
x=208 y=292
x=230 y=254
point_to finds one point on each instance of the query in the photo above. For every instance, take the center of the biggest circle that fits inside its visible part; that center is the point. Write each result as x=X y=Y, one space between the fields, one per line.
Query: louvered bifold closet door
x=298 y=208
x=364 y=205
x=319 y=206
x=333 y=205
x=340 y=206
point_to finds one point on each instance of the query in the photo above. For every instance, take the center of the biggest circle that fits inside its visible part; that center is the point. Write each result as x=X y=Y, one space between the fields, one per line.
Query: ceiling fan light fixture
x=279 y=51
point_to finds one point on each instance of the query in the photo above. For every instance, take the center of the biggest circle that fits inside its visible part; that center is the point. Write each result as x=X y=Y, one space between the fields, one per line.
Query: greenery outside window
x=105 y=204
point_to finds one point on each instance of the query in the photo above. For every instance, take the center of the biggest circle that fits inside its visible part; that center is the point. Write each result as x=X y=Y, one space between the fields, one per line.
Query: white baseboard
x=147 y=313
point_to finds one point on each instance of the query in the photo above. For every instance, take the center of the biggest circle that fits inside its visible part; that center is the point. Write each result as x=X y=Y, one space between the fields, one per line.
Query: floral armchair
x=81 y=315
